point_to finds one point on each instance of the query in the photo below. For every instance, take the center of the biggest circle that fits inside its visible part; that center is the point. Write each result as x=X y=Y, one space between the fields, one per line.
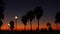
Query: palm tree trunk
x=57 y=27
x=31 y=25
x=0 y=30
x=25 y=27
x=38 y=24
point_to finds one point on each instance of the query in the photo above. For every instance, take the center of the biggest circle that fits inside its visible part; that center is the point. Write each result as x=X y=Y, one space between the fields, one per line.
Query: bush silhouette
x=49 y=26
x=11 y=25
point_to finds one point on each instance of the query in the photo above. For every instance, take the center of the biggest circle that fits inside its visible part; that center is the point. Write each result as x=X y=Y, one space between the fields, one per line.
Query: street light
x=16 y=17
x=16 y=21
x=8 y=25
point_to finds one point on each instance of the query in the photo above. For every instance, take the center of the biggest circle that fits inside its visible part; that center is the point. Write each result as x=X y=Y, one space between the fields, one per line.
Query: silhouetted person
x=38 y=13
x=11 y=26
x=49 y=27
x=1 y=13
x=57 y=18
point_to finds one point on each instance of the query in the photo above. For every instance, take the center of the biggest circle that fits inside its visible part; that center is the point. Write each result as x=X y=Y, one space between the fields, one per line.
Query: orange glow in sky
x=34 y=27
x=20 y=25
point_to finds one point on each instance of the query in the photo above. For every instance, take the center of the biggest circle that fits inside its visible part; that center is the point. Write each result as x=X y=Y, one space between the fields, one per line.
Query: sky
x=21 y=7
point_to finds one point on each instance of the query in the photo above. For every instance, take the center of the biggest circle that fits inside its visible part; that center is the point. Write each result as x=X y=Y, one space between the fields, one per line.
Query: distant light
x=8 y=24
x=16 y=17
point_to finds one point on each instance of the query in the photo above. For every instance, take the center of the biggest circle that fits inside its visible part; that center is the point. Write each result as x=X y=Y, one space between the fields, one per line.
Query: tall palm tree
x=24 y=20
x=57 y=18
x=1 y=12
x=39 y=13
x=0 y=24
x=30 y=16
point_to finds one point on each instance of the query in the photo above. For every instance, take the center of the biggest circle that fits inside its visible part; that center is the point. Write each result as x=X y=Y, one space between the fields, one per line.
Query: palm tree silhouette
x=1 y=24
x=1 y=12
x=38 y=12
x=24 y=20
x=57 y=18
x=30 y=16
x=49 y=26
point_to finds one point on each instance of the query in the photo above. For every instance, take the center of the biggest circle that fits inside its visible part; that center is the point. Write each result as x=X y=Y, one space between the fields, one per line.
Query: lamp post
x=16 y=21
x=8 y=25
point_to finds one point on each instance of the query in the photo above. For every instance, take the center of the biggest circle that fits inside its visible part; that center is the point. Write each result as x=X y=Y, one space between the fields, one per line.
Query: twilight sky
x=21 y=7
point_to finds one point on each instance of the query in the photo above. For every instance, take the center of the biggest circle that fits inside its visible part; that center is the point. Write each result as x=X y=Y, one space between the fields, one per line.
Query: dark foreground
x=30 y=32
